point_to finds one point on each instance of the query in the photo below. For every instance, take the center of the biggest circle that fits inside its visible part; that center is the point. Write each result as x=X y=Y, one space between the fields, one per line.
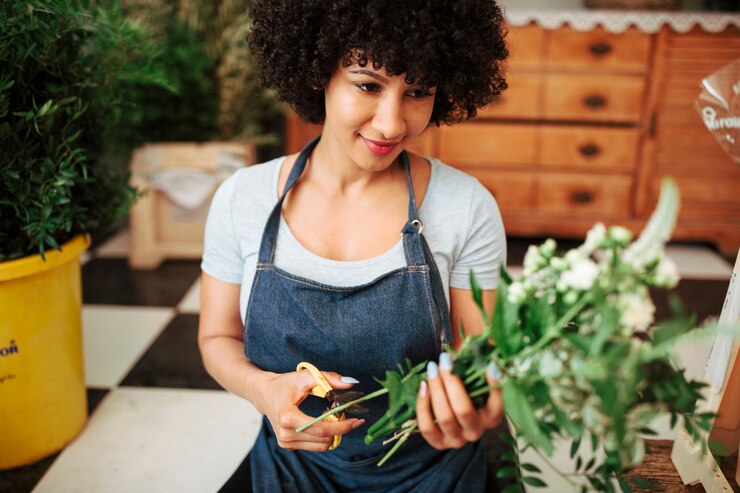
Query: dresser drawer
x=581 y=194
x=599 y=50
x=521 y=100
x=526 y=47
x=513 y=191
x=589 y=149
x=609 y=98
x=487 y=144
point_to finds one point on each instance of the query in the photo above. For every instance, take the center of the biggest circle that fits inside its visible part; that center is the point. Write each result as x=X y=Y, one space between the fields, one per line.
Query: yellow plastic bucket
x=43 y=403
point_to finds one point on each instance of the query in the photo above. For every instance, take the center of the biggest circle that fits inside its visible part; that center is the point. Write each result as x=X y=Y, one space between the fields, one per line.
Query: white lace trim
x=617 y=21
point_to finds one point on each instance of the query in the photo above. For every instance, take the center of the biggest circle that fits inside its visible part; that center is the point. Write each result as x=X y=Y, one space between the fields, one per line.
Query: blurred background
x=602 y=103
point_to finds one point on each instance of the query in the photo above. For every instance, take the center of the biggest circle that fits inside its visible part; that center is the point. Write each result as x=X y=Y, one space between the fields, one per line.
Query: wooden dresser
x=590 y=123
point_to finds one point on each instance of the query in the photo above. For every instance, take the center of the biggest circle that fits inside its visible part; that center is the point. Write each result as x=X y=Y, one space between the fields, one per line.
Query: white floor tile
x=156 y=440
x=115 y=337
x=699 y=262
x=116 y=246
x=191 y=302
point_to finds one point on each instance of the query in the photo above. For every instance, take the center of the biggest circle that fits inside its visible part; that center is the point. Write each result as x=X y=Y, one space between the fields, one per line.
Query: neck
x=329 y=167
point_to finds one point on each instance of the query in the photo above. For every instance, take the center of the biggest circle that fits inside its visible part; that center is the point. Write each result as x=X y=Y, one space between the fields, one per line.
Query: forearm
x=224 y=359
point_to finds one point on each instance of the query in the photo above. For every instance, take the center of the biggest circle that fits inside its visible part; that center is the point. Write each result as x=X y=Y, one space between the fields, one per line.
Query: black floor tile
x=173 y=360
x=24 y=479
x=94 y=396
x=110 y=281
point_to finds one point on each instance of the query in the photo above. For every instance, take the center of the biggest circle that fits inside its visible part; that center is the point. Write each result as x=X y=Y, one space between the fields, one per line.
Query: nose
x=389 y=119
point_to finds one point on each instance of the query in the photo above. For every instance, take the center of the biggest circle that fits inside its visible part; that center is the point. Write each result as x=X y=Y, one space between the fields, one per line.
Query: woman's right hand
x=282 y=393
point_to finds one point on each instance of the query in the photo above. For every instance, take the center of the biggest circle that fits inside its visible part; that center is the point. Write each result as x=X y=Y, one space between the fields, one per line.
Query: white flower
x=548 y=248
x=581 y=275
x=594 y=237
x=637 y=311
x=549 y=365
x=517 y=293
x=666 y=274
x=620 y=235
x=570 y=297
x=532 y=260
x=558 y=263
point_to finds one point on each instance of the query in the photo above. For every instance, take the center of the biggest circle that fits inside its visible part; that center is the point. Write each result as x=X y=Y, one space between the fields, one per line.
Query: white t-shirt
x=462 y=225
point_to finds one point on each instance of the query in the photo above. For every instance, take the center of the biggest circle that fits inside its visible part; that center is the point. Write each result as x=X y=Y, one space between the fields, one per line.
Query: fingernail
x=493 y=371
x=423 y=388
x=432 y=370
x=349 y=380
x=445 y=362
x=358 y=423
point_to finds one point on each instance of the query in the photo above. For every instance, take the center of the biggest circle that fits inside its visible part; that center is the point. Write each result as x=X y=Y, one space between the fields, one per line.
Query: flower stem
x=341 y=408
x=398 y=444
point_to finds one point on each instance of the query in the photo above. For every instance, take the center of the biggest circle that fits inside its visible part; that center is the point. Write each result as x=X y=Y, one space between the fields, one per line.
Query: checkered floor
x=158 y=422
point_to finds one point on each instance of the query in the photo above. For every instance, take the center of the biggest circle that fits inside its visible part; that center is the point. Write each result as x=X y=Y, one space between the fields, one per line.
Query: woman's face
x=371 y=116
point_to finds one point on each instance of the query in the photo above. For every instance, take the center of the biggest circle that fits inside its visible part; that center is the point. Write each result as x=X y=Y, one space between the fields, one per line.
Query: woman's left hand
x=445 y=399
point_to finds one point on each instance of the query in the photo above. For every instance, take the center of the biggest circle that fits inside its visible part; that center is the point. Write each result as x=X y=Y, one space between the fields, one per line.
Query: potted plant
x=196 y=137
x=65 y=70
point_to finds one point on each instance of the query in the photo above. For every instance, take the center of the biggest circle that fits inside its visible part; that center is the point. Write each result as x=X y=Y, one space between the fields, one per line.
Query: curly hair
x=456 y=46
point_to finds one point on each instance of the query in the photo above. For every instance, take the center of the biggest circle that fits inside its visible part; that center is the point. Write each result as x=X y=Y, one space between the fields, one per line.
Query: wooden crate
x=160 y=229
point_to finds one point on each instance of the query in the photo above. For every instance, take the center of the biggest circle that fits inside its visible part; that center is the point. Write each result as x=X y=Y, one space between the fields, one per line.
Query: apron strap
x=418 y=253
x=269 y=235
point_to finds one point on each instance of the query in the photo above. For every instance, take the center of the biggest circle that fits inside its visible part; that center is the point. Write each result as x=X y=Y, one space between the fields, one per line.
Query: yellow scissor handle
x=320 y=390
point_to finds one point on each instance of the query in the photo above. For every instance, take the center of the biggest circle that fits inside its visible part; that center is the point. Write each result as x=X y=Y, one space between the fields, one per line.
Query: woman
x=303 y=260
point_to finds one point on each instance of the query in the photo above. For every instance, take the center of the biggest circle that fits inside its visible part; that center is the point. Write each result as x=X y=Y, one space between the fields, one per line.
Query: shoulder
x=250 y=183
x=451 y=184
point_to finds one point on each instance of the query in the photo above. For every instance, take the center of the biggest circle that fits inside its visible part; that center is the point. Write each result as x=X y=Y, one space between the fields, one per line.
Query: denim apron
x=360 y=331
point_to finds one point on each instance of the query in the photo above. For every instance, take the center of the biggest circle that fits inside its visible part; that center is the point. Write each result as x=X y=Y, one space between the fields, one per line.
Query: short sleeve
x=484 y=247
x=222 y=258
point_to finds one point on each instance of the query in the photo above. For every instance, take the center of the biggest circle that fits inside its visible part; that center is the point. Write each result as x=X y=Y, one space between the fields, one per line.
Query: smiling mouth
x=379 y=147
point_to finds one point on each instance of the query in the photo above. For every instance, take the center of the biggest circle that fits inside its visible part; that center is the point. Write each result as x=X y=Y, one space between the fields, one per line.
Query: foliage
x=580 y=356
x=64 y=72
x=208 y=60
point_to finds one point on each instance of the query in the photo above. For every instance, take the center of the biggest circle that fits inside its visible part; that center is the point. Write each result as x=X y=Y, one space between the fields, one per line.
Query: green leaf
x=530 y=468
x=641 y=482
x=534 y=481
x=513 y=488
x=507 y=472
x=624 y=485
x=574 y=446
x=522 y=415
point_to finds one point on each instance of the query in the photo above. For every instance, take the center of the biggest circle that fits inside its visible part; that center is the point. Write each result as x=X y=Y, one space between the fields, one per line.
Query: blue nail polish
x=493 y=371
x=432 y=370
x=349 y=380
x=445 y=362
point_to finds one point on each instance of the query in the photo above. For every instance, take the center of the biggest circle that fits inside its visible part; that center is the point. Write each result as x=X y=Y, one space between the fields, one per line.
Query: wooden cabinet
x=590 y=124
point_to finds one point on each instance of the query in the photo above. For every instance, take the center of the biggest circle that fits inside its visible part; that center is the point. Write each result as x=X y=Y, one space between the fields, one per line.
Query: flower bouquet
x=578 y=353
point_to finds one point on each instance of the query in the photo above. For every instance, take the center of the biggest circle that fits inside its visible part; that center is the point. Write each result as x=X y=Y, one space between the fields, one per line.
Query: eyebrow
x=372 y=74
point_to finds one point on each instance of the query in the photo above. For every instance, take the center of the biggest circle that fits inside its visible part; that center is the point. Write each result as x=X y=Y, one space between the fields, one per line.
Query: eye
x=367 y=86
x=418 y=93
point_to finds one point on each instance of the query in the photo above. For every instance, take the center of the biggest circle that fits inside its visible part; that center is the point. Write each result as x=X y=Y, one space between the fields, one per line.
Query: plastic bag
x=719 y=107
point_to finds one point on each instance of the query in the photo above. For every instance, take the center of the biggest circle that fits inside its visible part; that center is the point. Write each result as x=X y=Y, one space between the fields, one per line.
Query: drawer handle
x=595 y=101
x=589 y=150
x=600 y=49
x=582 y=197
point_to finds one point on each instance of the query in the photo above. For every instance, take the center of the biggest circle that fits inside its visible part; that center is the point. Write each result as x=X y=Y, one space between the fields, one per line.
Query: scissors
x=324 y=389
